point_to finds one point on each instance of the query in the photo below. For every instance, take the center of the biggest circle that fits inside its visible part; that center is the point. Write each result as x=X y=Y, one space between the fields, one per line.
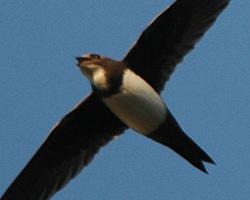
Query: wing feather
x=173 y=34
x=70 y=146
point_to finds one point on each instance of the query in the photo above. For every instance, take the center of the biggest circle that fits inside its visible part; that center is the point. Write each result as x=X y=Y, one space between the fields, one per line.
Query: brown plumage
x=75 y=140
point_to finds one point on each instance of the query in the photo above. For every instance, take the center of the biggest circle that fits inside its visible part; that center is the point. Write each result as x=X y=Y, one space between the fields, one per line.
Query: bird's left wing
x=70 y=146
x=165 y=42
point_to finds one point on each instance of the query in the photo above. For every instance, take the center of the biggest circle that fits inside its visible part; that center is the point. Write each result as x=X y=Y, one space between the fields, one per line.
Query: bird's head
x=103 y=73
x=92 y=67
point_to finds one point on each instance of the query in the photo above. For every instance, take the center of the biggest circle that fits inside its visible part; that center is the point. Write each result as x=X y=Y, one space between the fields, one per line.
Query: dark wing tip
x=172 y=35
x=70 y=147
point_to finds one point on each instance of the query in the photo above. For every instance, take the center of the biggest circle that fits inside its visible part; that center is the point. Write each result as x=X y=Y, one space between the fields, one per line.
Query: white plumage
x=137 y=104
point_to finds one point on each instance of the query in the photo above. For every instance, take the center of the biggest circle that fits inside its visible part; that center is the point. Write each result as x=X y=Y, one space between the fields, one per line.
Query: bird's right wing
x=173 y=34
x=70 y=146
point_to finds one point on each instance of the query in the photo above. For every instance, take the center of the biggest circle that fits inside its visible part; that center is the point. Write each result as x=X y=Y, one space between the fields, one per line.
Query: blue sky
x=208 y=94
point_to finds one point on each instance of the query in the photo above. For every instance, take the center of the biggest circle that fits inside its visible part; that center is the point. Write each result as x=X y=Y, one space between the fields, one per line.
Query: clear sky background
x=209 y=94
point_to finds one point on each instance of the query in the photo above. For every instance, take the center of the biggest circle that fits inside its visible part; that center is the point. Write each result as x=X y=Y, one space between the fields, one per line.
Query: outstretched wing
x=170 y=37
x=71 y=145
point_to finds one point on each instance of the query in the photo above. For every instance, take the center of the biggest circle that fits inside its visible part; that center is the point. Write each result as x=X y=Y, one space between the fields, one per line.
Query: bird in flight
x=125 y=94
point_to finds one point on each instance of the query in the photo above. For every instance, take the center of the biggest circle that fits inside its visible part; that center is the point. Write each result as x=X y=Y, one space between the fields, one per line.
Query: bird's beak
x=79 y=59
x=82 y=64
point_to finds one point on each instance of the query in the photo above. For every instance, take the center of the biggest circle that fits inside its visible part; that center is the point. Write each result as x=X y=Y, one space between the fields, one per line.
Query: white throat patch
x=100 y=79
x=96 y=75
x=138 y=105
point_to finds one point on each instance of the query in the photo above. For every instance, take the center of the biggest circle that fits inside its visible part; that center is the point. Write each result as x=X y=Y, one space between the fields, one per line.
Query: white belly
x=137 y=104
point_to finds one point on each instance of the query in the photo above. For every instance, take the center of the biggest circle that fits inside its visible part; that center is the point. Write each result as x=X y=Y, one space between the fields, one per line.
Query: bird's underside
x=75 y=140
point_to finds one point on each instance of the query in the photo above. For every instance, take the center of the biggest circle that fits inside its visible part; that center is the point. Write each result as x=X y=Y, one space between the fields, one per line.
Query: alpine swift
x=126 y=94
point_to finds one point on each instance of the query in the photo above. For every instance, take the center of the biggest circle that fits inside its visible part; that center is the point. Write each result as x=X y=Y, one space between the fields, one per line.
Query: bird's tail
x=170 y=134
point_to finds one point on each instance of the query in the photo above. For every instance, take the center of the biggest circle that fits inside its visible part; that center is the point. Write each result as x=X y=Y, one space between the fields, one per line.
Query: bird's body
x=126 y=94
x=134 y=102
x=137 y=104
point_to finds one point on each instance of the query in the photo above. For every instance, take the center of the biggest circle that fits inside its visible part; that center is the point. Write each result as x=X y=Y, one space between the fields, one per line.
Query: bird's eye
x=95 y=56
